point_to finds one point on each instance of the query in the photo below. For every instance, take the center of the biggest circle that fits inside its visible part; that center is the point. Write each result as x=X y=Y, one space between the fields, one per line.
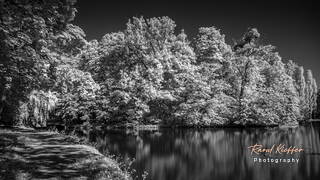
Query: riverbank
x=29 y=154
x=152 y=127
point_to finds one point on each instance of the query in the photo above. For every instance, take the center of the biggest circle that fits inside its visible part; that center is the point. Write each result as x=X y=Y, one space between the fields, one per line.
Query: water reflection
x=215 y=153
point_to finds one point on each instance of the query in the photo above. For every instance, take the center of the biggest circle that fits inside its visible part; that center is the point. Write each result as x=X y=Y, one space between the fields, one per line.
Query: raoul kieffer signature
x=277 y=149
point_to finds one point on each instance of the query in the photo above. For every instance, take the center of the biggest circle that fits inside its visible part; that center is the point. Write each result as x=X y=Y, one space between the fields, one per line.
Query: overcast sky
x=293 y=27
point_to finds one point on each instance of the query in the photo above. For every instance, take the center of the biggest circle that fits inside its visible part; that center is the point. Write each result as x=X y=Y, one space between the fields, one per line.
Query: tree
x=317 y=111
x=264 y=92
x=77 y=95
x=205 y=100
x=211 y=46
x=244 y=72
x=311 y=94
x=36 y=111
x=140 y=65
x=291 y=69
x=314 y=96
x=26 y=27
x=301 y=84
x=297 y=74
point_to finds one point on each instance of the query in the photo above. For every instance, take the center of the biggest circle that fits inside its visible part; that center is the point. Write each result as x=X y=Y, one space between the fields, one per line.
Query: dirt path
x=27 y=154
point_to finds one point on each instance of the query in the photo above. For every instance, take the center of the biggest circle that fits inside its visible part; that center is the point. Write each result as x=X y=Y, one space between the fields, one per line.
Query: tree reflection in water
x=184 y=154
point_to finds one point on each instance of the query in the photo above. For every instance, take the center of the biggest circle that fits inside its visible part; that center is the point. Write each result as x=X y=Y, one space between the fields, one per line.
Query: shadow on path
x=27 y=154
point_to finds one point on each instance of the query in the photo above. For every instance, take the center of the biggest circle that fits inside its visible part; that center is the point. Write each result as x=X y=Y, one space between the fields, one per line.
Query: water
x=221 y=153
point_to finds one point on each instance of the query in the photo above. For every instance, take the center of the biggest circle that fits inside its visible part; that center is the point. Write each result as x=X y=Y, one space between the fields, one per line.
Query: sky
x=292 y=26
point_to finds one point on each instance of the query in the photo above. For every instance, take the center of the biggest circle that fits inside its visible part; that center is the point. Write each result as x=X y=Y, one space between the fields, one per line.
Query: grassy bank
x=29 y=154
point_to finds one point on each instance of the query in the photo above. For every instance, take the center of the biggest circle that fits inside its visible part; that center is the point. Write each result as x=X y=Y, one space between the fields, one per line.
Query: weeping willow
x=35 y=112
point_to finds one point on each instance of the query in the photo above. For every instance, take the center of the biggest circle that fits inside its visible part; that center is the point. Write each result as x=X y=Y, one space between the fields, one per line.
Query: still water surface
x=220 y=153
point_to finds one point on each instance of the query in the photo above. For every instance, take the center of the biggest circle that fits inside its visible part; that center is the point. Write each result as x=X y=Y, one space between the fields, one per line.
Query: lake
x=216 y=153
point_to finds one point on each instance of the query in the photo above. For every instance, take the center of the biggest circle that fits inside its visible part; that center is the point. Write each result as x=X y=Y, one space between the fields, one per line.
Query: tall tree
x=301 y=83
x=311 y=91
x=317 y=111
x=297 y=74
x=26 y=28
x=206 y=100
x=244 y=71
x=264 y=92
x=314 y=96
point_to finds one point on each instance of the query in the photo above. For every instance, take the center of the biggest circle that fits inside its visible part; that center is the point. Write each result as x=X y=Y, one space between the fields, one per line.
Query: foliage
x=264 y=91
x=36 y=112
x=27 y=31
x=77 y=93
x=145 y=74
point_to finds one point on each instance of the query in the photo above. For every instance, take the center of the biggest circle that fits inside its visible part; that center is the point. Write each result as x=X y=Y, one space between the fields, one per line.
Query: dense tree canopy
x=29 y=35
x=145 y=74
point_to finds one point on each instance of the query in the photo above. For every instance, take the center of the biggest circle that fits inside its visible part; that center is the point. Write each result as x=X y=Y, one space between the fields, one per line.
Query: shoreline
x=154 y=127
x=158 y=127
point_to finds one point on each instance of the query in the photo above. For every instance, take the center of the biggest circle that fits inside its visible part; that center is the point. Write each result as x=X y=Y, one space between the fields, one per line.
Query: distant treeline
x=144 y=74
